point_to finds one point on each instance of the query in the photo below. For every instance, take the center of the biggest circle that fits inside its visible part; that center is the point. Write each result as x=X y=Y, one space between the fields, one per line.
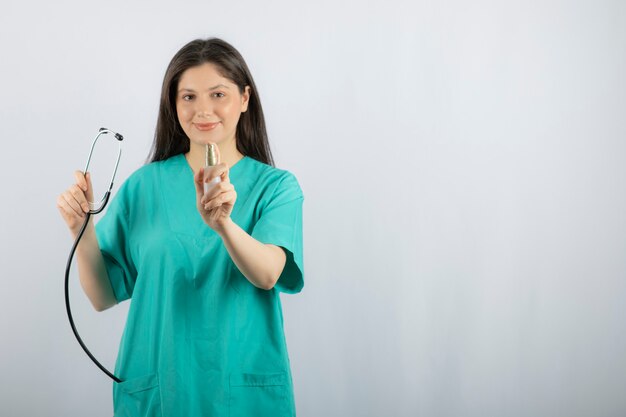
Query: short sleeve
x=280 y=224
x=112 y=232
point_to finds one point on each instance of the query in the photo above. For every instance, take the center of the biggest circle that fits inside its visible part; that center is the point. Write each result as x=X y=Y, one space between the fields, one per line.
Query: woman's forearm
x=92 y=271
x=260 y=263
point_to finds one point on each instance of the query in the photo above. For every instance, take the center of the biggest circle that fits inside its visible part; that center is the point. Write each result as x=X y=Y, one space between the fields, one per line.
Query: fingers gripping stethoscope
x=93 y=209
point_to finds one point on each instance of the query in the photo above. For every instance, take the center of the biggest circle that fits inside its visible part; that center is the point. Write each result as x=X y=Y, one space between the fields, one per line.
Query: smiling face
x=209 y=105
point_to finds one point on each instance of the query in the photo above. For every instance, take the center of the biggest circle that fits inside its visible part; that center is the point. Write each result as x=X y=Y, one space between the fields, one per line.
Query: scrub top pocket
x=138 y=397
x=260 y=395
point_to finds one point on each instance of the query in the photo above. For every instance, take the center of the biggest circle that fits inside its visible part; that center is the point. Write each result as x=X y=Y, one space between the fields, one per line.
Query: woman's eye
x=218 y=95
x=187 y=97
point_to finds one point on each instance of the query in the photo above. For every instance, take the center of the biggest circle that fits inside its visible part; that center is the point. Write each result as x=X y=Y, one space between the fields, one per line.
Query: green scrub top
x=200 y=339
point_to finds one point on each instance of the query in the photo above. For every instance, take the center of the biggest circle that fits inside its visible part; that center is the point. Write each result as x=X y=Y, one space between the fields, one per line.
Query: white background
x=464 y=168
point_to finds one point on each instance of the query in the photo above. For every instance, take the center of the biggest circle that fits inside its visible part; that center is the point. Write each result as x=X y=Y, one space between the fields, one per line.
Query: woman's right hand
x=73 y=206
x=73 y=203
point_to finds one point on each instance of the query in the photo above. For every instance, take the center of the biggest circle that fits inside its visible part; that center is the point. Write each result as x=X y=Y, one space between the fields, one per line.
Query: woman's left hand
x=217 y=204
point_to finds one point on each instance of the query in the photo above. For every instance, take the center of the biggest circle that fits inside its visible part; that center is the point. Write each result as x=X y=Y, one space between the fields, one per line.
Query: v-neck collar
x=180 y=158
x=179 y=195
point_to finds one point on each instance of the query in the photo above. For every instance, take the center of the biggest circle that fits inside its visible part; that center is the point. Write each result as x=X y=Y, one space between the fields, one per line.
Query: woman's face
x=209 y=106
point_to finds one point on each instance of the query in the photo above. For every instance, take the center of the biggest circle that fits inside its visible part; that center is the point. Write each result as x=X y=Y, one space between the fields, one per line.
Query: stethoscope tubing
x=94 y=209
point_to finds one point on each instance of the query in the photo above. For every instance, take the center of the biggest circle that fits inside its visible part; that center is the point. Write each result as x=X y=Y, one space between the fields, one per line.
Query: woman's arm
x=260 y=263
x=92 y=271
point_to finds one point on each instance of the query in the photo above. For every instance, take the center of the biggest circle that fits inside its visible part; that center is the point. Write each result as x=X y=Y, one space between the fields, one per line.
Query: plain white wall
x=464 y=166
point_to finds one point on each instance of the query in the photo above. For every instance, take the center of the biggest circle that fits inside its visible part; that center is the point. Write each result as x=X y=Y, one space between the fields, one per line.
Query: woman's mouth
x=206 y=126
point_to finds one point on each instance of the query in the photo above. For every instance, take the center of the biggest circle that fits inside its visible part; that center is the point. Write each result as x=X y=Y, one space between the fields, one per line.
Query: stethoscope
x=93 y=209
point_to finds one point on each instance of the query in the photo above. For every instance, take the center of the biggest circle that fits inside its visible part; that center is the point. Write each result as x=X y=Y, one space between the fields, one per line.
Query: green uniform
x=200 y=339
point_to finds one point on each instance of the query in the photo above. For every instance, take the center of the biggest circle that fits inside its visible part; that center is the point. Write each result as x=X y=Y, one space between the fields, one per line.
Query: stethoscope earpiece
x=93 y=208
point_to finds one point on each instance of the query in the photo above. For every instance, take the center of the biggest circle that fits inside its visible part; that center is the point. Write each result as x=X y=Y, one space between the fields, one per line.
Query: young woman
x=204 y=334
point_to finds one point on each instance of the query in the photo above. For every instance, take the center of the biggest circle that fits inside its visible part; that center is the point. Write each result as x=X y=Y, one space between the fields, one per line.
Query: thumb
x=84 y=182
x=89 y=193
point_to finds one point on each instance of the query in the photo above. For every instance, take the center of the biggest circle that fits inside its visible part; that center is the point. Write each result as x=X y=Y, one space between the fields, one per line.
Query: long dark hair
x=169 y=137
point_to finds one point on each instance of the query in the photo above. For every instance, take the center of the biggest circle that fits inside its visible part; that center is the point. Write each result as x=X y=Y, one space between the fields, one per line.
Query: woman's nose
x=204 y=108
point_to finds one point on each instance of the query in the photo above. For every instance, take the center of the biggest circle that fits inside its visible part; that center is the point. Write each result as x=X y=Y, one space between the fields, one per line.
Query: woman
x=204 y=334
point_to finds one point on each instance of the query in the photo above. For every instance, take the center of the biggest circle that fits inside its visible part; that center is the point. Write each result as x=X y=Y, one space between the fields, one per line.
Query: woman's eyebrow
x=218 y=86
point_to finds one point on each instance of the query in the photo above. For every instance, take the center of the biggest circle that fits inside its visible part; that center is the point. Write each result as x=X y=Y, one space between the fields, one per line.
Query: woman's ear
x=245 y=99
